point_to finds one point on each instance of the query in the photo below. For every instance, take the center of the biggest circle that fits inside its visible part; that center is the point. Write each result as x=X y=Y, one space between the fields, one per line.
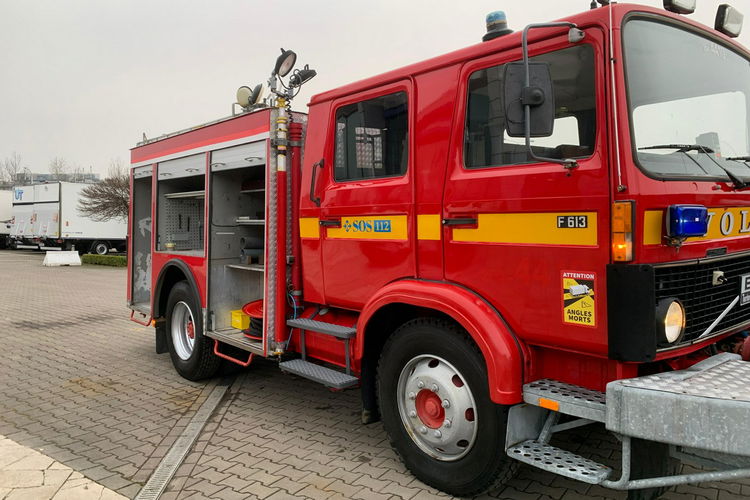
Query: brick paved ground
x=82 y=382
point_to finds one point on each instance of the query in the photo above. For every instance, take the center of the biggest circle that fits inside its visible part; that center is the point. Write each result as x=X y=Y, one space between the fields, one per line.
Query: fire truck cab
x=542 y=231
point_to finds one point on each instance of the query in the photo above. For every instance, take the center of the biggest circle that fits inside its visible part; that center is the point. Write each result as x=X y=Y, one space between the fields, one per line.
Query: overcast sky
x=84 y=79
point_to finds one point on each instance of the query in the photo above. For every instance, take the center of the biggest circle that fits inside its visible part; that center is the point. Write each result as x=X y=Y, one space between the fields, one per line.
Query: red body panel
x=509 y=296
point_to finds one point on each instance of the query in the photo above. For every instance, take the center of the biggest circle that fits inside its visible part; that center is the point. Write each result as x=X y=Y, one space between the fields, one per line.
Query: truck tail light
x=622 y=231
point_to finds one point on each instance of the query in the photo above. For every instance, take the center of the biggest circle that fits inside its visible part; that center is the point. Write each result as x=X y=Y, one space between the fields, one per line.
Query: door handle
x=460 y=221
x=330 y=222
x=313 y=198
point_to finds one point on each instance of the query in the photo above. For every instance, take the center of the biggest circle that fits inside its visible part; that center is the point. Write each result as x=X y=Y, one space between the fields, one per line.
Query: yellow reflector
x=549 y=404
x=622 y=231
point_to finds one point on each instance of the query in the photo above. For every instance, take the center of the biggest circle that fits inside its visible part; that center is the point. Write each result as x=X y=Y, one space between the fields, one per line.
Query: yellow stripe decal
x=388 y=227
x=726 y=222
x=570 y=228
x=309 y=227
x=428 y=227
x=653 y=221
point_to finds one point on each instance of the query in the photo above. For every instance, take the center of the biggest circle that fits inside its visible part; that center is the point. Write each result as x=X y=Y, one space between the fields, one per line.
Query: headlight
x=670 y=321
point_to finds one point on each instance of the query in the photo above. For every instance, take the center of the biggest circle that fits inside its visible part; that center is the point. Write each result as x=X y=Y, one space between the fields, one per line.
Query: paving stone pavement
x=26 y=474
x=82 y=383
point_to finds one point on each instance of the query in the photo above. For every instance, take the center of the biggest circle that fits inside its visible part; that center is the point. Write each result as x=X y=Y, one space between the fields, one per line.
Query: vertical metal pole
x=282 y=119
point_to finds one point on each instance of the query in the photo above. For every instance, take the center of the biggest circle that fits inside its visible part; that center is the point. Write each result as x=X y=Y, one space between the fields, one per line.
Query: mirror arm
x=568 y=164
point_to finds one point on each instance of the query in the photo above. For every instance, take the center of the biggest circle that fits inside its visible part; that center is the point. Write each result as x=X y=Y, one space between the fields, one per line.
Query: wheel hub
x=437 y=407
x=183 y=330
x=429 y=409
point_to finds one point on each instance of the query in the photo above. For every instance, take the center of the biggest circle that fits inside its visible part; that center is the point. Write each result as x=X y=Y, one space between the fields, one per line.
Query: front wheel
x=192 y=353
x=435 y=406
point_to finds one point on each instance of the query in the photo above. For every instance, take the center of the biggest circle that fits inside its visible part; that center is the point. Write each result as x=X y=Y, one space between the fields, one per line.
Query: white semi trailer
x=6 y=216
x=55 y=222
x=21 y=234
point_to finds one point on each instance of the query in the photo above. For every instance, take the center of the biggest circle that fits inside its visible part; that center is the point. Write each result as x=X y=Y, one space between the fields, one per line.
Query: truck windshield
x=688 y=99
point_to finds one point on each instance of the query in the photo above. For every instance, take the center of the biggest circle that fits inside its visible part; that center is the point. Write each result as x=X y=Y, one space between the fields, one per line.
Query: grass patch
x=105 y=260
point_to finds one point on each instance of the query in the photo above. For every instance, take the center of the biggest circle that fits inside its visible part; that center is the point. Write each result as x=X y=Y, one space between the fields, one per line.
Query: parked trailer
x=492 y=250
x=21 y=231
x=57 y=224
x=6 y=216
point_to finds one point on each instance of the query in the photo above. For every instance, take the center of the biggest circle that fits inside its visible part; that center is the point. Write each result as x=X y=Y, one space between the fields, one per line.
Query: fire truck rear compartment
x=237 y=235
x=696 y=411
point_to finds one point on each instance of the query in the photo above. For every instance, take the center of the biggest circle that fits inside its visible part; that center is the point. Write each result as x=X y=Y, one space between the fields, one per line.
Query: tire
x=193 y=358
x=650 y=459
x=462 y=451
x=100 y=248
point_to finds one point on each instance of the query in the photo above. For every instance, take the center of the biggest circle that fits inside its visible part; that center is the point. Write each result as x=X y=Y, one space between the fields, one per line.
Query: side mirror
x=539 y=96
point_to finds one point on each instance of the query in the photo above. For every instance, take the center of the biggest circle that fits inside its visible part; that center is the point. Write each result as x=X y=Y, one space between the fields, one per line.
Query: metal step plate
x=320 y=374
x=705 y=406
x=236 y=338
x=342 y=332
x=567 y=398
x=561 y=462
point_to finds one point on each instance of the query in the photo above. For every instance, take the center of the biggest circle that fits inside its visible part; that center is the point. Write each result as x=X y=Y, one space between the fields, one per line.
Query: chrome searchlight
x=680 y=6
x=686 y=221
x=285 y=62
x=729 y=21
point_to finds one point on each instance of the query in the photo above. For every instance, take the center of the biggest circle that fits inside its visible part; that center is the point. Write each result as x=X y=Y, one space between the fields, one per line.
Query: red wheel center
x=190 y=330
x=430 y=409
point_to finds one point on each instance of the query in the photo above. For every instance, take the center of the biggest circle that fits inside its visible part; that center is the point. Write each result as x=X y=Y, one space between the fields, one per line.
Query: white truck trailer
x=21 y=234
x=55 y=222
x=6 y=216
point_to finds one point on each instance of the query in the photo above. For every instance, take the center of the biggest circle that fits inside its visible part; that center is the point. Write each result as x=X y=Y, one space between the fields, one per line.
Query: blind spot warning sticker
x=579 y=300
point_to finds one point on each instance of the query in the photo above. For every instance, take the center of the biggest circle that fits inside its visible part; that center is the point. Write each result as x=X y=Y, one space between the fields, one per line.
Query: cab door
x=522 y=233
x=367 y=201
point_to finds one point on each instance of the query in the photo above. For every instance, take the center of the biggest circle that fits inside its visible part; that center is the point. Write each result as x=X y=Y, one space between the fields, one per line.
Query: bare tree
x=58 y=168
x=109 y=198
x=11 y=167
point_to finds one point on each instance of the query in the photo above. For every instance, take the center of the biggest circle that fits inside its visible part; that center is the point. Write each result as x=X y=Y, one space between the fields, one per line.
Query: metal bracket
x=276 y=142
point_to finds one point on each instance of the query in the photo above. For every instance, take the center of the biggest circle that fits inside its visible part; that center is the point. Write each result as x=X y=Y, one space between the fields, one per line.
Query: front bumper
x=703 y=407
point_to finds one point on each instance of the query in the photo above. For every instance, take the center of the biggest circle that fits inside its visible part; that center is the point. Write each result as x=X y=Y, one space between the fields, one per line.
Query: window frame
x=537 y=48
x=366 y=95
x=628 y=111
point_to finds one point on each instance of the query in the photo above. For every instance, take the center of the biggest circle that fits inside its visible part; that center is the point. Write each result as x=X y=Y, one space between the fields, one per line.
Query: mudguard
x=501 y=349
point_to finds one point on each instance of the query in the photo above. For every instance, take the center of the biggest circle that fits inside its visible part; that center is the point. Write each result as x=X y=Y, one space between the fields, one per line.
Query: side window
x=371 y=138
x=487 y=144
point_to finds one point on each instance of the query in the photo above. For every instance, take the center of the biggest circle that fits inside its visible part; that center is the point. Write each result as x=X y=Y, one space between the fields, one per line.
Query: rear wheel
x=100 y=248
x=192 y=353
x=435 y=405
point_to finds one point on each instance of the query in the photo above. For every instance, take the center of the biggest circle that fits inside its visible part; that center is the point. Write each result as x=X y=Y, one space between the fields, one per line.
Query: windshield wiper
x=737 y=183
x=682 y=148
x=738 y=158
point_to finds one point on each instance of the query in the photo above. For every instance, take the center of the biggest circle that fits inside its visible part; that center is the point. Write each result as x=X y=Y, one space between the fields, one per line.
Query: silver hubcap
x=437 y=407
x=183 y=330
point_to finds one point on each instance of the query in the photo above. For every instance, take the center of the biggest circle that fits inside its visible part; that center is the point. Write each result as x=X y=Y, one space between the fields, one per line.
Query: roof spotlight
x=285 y=62
x=302 y=76
x=257 y=94
x=243 y=96
x=729 y=21
x=680 y=6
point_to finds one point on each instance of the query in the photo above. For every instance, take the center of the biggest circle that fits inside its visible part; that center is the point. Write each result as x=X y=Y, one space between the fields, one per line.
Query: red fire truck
x=545 y=230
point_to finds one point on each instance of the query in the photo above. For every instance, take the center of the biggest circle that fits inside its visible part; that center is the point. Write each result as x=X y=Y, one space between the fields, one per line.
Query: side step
x=561 y=462
x=236 y=338
x=567 y=398
x=342 y=332
x=321 y=374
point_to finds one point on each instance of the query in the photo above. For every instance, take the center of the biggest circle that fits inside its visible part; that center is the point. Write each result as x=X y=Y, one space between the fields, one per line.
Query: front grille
x=704 y=302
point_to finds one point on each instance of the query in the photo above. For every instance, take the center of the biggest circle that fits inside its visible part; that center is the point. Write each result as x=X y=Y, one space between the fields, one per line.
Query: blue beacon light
x=686 y=221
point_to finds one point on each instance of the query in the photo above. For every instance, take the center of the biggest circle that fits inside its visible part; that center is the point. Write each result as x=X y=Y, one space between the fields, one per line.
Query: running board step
x=567 y=398
x=236 y=338
x=560 y=462
x=321 y=374
x=342 y=332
